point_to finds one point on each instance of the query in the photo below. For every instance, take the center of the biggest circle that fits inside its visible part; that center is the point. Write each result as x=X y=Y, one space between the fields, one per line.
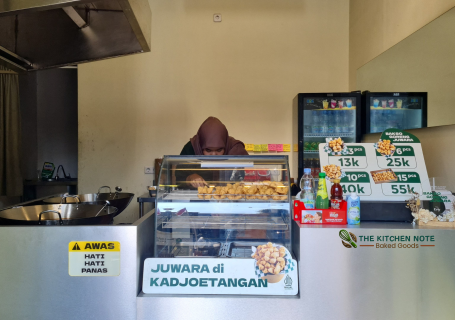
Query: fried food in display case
x=223 y=214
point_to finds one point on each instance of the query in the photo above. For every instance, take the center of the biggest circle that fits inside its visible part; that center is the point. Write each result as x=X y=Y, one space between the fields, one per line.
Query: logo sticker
x=348 y=239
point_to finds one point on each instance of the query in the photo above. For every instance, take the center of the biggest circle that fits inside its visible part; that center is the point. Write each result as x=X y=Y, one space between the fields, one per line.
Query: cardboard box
x=326 y=216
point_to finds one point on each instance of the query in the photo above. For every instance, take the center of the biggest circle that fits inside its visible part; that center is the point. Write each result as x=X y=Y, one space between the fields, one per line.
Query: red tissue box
x=326 y=216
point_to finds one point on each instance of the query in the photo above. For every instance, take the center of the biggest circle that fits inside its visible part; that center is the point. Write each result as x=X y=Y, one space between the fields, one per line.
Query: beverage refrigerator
x=399 y=110
x=320 y=115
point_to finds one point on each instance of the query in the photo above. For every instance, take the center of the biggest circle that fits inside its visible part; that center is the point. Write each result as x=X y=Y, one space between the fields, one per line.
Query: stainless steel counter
x=334 y=282
x=340 y=283
x=34 y=279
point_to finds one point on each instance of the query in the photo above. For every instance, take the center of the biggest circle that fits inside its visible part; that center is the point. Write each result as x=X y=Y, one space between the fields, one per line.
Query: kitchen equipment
x=69 y=32
x=118 y=199
x=59 y=214
x=152 y=190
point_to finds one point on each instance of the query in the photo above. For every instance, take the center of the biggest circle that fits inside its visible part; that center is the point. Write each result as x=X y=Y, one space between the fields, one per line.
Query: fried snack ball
x=282 y=190
x=201 y=191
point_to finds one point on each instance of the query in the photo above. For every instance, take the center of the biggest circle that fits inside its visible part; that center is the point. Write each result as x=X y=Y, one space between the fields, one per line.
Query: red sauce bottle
x=336 y=195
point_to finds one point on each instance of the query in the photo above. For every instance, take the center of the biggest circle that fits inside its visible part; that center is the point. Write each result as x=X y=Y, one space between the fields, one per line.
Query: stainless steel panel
x=34 y=280
x=340 y=283
x=41 y=35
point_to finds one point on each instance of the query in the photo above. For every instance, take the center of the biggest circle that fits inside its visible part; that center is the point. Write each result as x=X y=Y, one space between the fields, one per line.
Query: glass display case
x=221 y=206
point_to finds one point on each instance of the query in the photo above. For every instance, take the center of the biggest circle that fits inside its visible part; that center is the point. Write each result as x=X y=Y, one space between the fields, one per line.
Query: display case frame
x=185 y=220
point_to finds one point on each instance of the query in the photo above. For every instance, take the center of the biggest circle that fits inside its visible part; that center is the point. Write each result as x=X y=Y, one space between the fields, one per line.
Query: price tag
x=404 y=157
x=264 y=147
x=279 y=148
x=406 y=181
x=357 y=158
x=257 y=148
x=286 y=147
x=249 y=147
x=272 y=147
x=358 y=182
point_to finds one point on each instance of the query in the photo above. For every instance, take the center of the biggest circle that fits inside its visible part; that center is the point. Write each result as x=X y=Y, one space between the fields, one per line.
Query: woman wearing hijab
x=212 y=139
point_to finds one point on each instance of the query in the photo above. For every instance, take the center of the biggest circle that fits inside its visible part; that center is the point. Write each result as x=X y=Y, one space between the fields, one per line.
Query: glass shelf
x=226 y=222
x=322 y=135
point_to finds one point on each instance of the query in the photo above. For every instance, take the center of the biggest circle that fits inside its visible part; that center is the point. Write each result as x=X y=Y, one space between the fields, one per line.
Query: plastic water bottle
x=307 y=186
x=338 y=121
x=325 y=122
x=331 y=124
x=316 y=122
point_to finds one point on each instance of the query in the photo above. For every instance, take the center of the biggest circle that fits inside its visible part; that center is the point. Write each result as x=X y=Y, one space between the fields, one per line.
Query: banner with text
x=216 y=276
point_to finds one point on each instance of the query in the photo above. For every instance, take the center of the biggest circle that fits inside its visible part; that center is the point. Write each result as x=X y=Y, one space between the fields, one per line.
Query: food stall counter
x=396 y=271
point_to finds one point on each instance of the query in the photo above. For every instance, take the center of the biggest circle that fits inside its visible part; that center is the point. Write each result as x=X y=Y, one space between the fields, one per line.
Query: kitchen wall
x=57 y=119
x=48 y=102
x=245 y=70
x=49 y=120
x=377 y=25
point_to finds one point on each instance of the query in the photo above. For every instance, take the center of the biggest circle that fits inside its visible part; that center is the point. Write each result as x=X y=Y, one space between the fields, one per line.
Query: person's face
x=213 y=151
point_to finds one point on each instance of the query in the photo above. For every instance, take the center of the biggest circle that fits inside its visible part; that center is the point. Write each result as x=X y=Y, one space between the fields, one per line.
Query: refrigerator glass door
x=395 y=112
x=326 y=117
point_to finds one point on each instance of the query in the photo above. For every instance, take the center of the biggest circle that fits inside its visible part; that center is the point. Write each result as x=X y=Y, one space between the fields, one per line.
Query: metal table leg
x=141 y=209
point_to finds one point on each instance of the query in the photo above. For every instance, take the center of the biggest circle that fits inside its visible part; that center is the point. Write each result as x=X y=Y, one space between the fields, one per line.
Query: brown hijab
x=213 y=134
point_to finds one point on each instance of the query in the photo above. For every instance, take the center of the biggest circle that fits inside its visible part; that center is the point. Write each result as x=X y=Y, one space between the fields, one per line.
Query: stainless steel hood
x=40 y=34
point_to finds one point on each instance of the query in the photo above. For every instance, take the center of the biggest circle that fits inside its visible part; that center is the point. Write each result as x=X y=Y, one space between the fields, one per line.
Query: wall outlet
x=217 y=17
x=149 y=170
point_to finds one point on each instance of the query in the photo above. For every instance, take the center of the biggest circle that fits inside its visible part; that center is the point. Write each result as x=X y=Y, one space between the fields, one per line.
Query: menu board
x=403 y=170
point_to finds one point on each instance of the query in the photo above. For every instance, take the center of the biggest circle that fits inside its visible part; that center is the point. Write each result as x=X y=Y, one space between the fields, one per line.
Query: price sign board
x=361 y=159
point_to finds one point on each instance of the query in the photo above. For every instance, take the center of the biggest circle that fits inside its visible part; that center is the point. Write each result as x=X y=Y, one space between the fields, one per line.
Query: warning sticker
x=94 y=259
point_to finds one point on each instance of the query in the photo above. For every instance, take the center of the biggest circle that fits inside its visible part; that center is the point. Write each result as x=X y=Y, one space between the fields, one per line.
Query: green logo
x=349 y=237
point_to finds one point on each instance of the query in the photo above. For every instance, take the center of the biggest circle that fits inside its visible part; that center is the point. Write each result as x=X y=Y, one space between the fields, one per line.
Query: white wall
x=377 y=25
x=245 y=70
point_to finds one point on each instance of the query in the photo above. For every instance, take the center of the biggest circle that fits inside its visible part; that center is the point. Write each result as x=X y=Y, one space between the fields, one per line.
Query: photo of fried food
x=382 y=176
x=336 y=145
x=386 y=148
x=269 y=258
x=332 y=171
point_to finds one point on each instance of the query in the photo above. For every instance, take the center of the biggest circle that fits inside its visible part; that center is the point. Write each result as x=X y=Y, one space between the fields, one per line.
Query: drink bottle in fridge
x=400 y=110
x=331 y=115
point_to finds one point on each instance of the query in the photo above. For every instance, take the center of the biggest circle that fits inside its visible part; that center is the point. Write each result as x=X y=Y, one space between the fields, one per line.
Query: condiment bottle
x=336 y=194
x=322 y=198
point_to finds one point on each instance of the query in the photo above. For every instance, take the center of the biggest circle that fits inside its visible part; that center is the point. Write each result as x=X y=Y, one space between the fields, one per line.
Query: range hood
x=41 y=34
